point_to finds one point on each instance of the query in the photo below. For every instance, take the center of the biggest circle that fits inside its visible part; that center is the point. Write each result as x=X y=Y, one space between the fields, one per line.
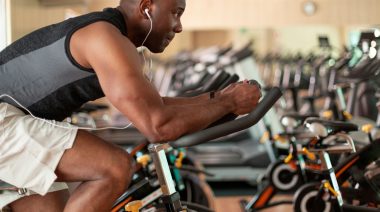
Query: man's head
x=165 y=16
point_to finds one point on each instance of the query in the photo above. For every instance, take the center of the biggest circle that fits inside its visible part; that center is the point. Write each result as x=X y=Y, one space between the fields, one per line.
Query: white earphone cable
x=53 y=122
x=149 y=71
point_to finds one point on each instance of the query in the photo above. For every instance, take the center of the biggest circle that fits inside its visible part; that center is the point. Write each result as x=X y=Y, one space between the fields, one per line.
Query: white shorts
x=30 y=150
x=8 y=197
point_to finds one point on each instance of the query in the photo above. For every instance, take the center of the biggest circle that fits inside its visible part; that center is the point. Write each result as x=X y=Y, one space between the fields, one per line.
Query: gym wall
x=232 y=14
x=273 y=25
x=28 y=15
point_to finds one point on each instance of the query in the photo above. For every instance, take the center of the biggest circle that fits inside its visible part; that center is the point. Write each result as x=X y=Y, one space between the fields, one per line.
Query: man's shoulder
x=101 y=30
x=109 y=18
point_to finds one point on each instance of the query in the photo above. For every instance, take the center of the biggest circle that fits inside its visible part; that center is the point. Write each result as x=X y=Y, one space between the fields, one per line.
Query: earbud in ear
x=147 y=12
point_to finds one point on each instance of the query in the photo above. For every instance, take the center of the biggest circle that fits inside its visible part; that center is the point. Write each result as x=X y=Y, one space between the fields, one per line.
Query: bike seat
x=295 y=119
x=324 y=128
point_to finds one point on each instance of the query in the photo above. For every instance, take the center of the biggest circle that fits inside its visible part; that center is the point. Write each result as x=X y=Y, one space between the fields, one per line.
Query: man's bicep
x=118 y=66
x=115 y=60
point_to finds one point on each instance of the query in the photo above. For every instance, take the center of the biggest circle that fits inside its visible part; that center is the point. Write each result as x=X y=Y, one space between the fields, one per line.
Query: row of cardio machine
x=332 y=157
x=330 y=165
x=316 y=153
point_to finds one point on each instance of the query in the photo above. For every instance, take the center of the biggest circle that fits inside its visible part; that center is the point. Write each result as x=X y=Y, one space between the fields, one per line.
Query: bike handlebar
x=227 y=128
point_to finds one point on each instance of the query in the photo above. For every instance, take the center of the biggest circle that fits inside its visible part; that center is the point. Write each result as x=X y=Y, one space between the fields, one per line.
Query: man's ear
x=145 y=4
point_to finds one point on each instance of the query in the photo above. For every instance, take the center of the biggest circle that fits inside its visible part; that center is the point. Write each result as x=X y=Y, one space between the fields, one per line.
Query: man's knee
x=121 y=170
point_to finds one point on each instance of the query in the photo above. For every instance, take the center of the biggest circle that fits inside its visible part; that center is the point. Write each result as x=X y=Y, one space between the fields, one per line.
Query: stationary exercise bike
x=343 y=184
x=168 y=197
x=188 y=177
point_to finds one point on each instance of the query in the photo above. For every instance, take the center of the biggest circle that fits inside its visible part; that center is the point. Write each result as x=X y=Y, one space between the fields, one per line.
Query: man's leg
x=105 y=170
x=52 y=202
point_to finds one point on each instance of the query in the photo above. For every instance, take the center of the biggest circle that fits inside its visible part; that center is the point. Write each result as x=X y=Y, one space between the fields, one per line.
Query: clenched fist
x=244 y=96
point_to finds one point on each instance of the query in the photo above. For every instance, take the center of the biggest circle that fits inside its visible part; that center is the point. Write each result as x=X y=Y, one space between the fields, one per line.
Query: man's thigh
x=52 y=202
x=90 y=157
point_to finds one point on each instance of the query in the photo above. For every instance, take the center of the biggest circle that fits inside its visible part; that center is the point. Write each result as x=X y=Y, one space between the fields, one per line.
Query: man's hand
x=243 y=95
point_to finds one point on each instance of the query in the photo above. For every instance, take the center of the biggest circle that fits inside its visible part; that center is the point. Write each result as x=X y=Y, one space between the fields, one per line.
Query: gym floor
x=228 y=197
x=231 y=204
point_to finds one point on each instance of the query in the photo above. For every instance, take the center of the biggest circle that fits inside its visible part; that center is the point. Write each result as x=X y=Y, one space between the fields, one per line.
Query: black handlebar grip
x=232 y=116
x=227 y=128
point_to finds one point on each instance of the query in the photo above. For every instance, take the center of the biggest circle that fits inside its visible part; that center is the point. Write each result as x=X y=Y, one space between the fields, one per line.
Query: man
x=56 y=69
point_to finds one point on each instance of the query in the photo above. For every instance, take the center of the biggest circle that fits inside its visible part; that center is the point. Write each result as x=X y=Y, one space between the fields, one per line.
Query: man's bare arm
x=186 y=100
x=117 y=64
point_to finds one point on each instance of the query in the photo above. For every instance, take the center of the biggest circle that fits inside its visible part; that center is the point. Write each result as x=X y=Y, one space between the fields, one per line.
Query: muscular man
x=56 y=69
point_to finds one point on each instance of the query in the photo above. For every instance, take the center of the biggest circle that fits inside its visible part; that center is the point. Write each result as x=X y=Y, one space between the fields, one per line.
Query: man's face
x=166 y=17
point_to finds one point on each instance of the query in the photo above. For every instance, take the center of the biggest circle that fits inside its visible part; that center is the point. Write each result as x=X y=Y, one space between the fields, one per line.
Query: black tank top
x=39 y=71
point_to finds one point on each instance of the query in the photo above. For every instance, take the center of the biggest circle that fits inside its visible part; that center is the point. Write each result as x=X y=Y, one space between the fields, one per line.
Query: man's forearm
x=186 y=100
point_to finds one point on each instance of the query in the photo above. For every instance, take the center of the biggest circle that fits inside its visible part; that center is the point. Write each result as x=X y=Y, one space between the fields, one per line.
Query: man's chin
x=157 y=50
